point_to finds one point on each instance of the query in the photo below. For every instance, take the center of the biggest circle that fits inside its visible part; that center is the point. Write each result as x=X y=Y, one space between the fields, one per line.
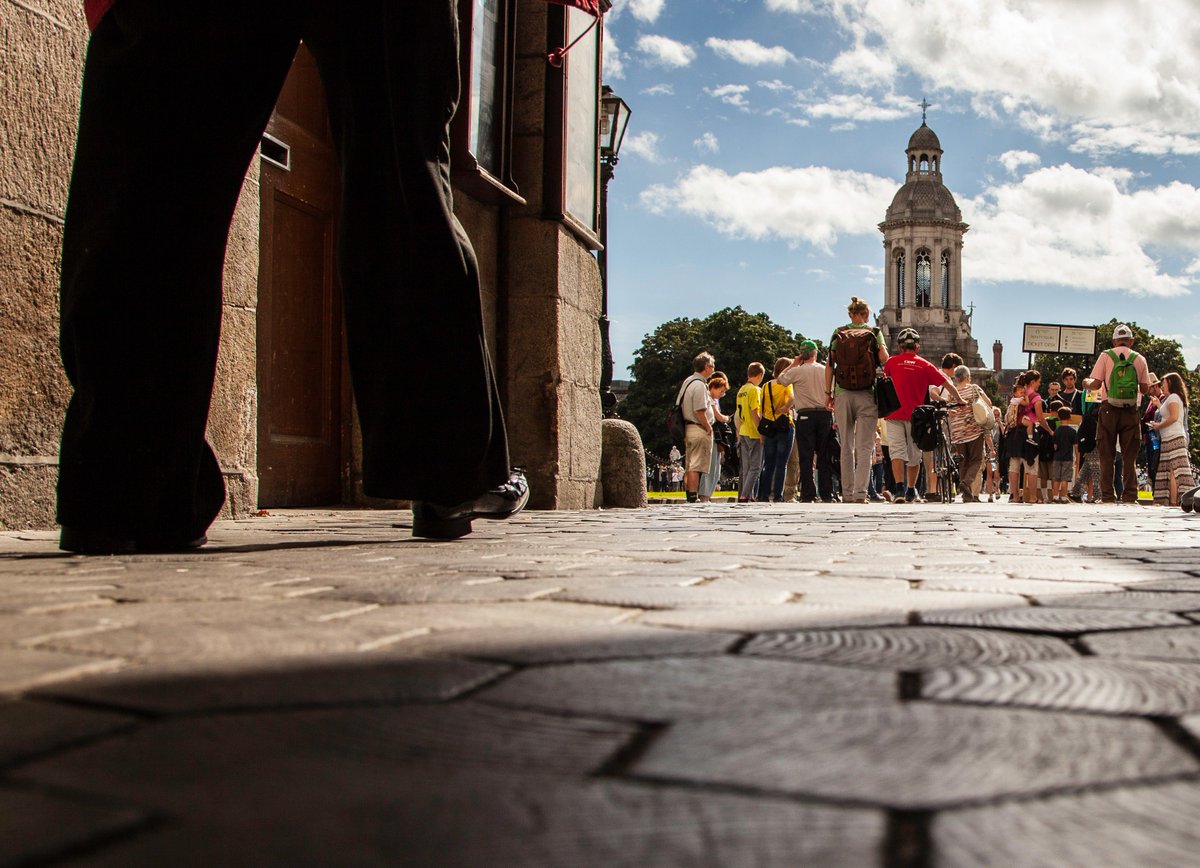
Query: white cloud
x=1110 y=74
x=856 y=107
x=749 y=52
x=646 y=10
x=799 y=6
x=708 y=142
x=644 y=145
x=813 y=205
x=1067 y=226
x=659 y=90
x=733 y=94
x=614 y=68
x=1014 y=161
x=776 y=85
x=666 y=51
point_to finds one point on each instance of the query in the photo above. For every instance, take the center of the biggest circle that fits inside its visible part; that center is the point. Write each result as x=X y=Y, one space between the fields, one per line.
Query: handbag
x=887 y=401
x=981 y=412
x=778 y=425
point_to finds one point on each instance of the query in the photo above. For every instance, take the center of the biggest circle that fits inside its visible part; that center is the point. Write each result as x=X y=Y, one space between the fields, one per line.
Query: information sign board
x=1040 y=337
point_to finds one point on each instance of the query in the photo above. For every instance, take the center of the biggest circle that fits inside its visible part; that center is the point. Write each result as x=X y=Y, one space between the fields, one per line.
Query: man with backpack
x=912 y=376
x=1125 y=377
x=698 y=418
x=855 y=351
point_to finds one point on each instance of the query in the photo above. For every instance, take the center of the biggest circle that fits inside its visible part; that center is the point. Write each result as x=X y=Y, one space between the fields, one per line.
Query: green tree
x=664 y=360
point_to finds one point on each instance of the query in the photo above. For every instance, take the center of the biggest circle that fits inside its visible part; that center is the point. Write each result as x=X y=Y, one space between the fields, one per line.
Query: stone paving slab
x=1056 y=619
x=908 y=648
x=304 y=682
x=914 y=756
x=467 y=819
x=1107 y=686
x=793 y=616
x=1171 y=643
x=30 y=728
x=666 y=689
x=23 y=668
x=1125 y=600
x=1111 y=829
x=37 y=827
x=168 y=763
x=568 y=643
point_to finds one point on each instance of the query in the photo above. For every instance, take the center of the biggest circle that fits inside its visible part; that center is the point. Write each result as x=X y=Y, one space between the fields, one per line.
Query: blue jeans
x=875 y=482
x=775 y=458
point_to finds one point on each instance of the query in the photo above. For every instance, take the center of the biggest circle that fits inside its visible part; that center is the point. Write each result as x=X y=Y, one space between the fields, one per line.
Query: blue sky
x=768 y=136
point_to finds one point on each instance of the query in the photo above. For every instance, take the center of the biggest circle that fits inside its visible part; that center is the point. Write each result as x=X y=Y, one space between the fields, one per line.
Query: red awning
x=592 y=7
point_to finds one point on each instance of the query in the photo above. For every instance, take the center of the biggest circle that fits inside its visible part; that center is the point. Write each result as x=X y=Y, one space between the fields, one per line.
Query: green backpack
x=1123 y=381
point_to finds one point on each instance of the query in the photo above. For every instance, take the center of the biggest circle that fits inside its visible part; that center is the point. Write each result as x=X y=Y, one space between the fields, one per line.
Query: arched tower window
x=900 y=279
x=924 y=278
x=924 y=163
x=946 y=278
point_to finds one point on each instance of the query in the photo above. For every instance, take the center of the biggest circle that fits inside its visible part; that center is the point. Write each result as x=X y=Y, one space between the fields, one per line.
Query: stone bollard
x=622 y=465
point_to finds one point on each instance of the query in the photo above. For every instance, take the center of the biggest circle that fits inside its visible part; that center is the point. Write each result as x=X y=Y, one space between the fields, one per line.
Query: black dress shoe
x=89 y=541
x=451 y=522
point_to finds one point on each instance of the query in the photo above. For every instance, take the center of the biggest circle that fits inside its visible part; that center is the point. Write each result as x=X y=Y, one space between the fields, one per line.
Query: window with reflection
x=583 y=109
x=924 y=278
x=482 y=127
x=945 y=278
x=486 y=80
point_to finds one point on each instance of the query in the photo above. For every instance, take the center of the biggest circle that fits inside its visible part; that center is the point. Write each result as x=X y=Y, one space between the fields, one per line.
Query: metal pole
x=608 y=401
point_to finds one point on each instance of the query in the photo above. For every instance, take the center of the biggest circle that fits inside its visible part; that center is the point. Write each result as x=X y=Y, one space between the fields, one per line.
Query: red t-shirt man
x=912 y=376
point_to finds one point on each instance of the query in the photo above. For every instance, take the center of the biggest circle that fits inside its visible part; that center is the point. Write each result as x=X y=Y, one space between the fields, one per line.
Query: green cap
x=808 y=345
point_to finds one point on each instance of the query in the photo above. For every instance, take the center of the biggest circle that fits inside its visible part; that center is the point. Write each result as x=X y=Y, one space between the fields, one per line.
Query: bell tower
x=922 y=243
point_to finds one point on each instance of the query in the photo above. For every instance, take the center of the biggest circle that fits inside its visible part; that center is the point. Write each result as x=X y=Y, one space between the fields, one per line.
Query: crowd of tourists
x=812 y=431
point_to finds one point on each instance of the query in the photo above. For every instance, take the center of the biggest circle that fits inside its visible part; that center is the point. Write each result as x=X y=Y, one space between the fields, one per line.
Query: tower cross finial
x=925 y=104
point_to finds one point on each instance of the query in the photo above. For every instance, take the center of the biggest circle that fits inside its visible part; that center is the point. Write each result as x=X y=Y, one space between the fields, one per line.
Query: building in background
x=923 y=243
x=526 y=176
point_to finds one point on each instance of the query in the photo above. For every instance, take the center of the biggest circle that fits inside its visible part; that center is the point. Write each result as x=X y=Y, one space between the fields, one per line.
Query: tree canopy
x=736 y=338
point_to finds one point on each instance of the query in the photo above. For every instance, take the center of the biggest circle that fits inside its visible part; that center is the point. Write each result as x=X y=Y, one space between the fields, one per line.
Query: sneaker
x=451 y=522
x=887 y=495
x=875 y=498
x=1187 y=501
x=910 y=496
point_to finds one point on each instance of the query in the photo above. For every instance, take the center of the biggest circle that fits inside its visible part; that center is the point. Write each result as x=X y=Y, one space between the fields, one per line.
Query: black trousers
x=813 y=428
x=175 y=98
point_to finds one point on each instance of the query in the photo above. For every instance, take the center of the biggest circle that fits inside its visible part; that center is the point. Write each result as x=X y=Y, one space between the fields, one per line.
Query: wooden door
x=300 y=418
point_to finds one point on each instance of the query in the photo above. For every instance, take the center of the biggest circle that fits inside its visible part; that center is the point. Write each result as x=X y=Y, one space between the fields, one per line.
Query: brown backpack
x=855 y=358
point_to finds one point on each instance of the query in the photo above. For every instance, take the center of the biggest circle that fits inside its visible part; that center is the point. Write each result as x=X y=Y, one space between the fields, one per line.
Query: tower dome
x=924 y=139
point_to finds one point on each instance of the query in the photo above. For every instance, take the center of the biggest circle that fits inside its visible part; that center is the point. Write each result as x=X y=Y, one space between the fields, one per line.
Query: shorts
x=698 y=446
x=1061 y=470
x=900 y=442
x=1015 y=465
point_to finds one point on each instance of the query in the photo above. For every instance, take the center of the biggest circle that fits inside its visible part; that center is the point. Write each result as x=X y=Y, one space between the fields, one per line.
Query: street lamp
x=614 y=118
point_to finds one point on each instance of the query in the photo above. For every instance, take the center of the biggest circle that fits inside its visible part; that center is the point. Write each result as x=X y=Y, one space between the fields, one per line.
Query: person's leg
x=409 y=276
x=765 y=481
x=785 y=447
x=803 y=452
x=823 y=423
x=173 y=106
x=863 y=436
x=793 y=473
x=973 y=453
x=1130 y=435
x=709 y=478
x=752 y=463
x=843 y=416
x=1106 y=446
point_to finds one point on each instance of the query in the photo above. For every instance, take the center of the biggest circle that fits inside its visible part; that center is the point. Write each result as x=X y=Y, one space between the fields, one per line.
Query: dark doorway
x=300 y=361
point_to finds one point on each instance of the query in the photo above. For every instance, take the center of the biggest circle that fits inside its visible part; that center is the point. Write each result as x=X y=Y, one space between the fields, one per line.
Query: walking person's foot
x=433 y=521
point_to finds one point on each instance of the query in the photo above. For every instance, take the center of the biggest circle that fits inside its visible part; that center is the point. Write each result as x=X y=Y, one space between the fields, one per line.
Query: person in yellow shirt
x=750 y=444
x=776 y=404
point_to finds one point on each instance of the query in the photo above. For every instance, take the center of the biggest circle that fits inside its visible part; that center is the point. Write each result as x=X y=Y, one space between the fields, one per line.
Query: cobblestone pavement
x=717 y=685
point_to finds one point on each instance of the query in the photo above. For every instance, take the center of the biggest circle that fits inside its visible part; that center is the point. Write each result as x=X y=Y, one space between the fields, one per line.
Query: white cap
x=1122 y=331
